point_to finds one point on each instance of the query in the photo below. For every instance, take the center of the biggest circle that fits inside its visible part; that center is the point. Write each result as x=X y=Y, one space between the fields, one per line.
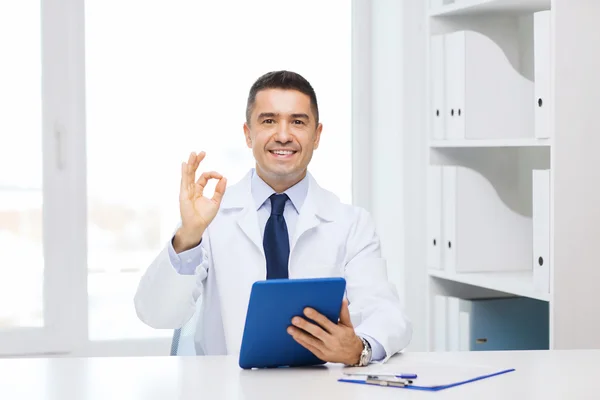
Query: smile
x=282 y=153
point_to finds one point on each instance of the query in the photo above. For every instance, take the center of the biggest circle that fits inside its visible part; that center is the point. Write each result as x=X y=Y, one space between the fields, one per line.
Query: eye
x=298 y=121
x=268 y=121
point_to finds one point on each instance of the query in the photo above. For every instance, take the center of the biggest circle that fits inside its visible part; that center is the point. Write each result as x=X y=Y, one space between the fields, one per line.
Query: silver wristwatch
x=366 y=354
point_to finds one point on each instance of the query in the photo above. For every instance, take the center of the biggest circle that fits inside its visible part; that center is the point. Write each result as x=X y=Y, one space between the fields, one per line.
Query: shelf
x=516 y=283
x=474 y=7
x=457 y=143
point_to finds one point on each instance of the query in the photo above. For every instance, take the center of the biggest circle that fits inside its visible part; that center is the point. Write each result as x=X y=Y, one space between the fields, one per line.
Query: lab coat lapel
x=248 y=222
x=317 y=209
x=240 y=196
x=307 y=219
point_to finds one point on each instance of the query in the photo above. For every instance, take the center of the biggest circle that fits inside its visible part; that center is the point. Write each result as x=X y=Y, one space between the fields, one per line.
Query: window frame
x=64 y=184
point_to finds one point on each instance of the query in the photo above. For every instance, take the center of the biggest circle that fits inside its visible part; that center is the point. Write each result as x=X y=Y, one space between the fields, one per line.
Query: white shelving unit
x=504 y=217
x=458 y=143
x=479 y=7
x=519 y=283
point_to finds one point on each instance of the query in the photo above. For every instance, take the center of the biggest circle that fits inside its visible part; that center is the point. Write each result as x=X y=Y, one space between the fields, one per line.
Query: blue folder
x=273 y=303
x=517 y=323
x=431 y=388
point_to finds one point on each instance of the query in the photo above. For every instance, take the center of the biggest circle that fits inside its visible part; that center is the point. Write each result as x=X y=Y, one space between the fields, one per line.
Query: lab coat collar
x=319 y=202
x=320 y=206
x=261 y=192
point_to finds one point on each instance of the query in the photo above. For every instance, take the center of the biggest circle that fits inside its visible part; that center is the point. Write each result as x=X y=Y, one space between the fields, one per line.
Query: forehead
x=281 y=101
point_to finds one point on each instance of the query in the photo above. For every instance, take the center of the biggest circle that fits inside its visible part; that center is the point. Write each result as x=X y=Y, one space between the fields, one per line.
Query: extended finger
x=311 y=328
x=220 y=190
x=191 y=158
x=192 y=166
x=185 y=182
x=320 y=319
x=312 y=349
x=309 y=342
x=188 y=172
x=198 y=159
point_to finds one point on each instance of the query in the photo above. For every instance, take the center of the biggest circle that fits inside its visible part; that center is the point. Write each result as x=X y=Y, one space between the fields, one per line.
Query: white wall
x=414 y=159
x=389 y=129
x=576 y=175
x=386 y=133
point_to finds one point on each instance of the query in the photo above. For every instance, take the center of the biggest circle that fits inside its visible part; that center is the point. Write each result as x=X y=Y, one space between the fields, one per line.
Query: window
x=165 y=78
x=102 y=100
x=21 y=196
x=36 y=257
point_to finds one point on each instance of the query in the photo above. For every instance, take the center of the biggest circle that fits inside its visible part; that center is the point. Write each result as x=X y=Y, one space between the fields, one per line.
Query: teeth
x=283 y=152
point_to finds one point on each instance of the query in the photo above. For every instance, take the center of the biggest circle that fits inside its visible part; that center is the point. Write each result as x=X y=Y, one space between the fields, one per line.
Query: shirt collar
x=261 y=191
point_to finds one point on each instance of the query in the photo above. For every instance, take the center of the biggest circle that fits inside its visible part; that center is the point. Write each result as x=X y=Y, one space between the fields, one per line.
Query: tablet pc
x=272 y=305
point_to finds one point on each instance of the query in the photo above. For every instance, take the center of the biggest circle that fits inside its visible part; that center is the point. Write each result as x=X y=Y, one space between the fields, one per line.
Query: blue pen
x=407 y=376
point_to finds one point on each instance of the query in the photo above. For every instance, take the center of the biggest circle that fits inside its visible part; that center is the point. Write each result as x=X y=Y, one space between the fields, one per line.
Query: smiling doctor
x=277 y=222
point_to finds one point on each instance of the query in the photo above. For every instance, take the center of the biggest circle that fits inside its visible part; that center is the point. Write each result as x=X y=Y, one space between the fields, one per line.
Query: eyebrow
x=272 y=115
x=266 y=115
x=301 y=115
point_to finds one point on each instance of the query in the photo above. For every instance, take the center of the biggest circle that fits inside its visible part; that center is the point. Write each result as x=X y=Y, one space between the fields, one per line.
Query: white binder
x=440 y=328
x=542 y=38
x=541 y=230
x=453 y=323
x=464 y=323
x=455 y=85
x=448 y=218
x=459 y=324
x=486 y=97
x=481 y=233
x=434 y=217
x=437 y=87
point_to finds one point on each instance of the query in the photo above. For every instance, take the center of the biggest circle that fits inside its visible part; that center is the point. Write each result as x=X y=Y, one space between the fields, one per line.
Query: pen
x=406 y=376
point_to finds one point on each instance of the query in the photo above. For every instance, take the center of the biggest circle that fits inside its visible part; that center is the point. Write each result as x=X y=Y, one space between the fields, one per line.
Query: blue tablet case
x=272 y=305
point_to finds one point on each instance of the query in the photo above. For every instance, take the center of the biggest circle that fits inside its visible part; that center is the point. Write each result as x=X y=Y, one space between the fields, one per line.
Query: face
x=282 y=135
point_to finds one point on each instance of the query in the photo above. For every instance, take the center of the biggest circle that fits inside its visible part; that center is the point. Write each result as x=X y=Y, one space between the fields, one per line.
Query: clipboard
x=414 y=385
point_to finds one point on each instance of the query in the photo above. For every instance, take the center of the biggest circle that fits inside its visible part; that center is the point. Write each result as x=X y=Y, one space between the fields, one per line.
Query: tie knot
x=278 y=203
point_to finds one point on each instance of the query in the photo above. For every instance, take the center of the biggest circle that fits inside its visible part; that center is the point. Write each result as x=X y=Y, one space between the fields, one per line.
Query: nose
x=283 y=133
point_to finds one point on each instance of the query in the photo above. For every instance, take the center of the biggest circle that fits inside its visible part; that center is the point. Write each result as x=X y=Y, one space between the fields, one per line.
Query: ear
x=317 y=136
x=247 y=134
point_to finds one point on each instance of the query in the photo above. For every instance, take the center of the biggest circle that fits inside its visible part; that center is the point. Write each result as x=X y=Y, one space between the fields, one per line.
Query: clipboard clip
x=388 y=381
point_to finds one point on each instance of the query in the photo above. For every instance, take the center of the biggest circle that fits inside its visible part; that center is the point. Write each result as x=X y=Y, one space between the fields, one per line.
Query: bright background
x=162 y=79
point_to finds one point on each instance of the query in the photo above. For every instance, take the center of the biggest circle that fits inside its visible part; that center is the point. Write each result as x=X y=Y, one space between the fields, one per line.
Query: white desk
x=538 y=375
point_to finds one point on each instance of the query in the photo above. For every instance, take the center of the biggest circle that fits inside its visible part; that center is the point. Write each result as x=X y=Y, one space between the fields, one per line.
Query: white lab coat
x=332 y=239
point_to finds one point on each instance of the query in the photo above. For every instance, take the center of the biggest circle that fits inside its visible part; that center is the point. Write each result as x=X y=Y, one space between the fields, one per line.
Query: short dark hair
x=286 y=80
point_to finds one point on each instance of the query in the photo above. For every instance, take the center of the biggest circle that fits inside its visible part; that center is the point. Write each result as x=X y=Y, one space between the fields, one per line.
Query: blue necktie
x=276 y=241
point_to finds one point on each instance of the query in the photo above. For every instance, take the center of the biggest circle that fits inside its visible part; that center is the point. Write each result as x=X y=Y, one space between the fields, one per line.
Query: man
x=275 y=223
